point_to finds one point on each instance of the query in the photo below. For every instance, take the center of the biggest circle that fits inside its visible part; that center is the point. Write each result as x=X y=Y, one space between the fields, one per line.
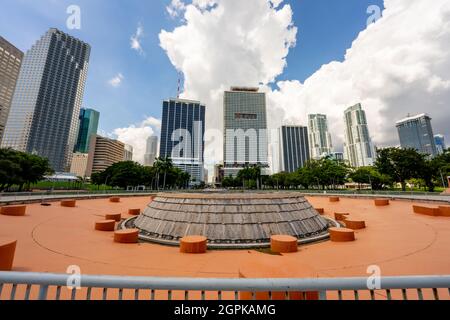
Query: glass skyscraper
x=88 y=126
x=182 y=136
x=245 y=130
x=439 y=140
x=319 y=138
x=294 y=148
x=45 y=110
x=10 y=62
x=151 y=151
x=358 y=147
x=415 y=132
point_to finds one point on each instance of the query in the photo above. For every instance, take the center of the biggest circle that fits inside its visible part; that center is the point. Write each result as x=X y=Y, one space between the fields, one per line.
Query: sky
x=309 y=56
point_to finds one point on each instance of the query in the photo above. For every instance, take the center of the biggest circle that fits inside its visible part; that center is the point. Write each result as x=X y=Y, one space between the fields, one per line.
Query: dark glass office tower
x=88 y=127
x=294 y=147
x=44 y=115
x=416 y=132
x=182 y=136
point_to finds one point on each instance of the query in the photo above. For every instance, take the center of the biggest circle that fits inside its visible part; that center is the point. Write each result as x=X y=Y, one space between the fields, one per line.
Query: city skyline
x=135 y=52
x=151 y=126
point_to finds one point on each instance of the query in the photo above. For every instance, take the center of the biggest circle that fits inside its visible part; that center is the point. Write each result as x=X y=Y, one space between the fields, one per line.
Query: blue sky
x=326 y=29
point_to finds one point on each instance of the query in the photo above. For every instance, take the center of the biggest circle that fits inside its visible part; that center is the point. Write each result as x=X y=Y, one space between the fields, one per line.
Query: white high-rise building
x=151 y=151
x=128 y=153
x=320 y=144
x=245 y=130
x=358 y=147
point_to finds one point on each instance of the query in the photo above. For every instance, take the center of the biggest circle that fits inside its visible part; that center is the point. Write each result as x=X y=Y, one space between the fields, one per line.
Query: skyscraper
x=151 y=151
x=44 y=116
x=358 y=147
x=416 y=132
x=128 y=152
x=439 y=140
x=245 y=130
x=88 y=126
x=319 y=138
x=103 y=153
x=182 y=136
x=294 y=148
x=10 y=62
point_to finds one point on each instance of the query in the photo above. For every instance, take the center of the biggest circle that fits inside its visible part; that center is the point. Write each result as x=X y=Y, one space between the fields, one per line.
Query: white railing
x=44 y=286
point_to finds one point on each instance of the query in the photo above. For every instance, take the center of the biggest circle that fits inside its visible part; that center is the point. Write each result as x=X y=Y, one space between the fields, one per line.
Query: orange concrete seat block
x=114 y=216
x=105 y=225
x=126 y=236
x=114 y=199
x=341 y=216
x=341 y=234
x=69 y=203
x=444 y=211
x=355 y=224
x=7 y=252
x=427 y=211
x=283 y=244
x=15 y=211
x=320 y=210
x=335 y=199
x=381 y=202
x=193 y=244
x=134 y=212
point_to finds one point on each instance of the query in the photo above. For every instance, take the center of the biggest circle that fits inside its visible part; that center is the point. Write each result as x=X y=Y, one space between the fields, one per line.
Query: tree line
x=392 y=166
x=21 y=169
x=162 y=175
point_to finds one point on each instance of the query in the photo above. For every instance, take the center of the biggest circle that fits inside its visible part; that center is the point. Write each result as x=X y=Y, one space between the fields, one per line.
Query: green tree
x=401 y=164
x=21 y=169
x=440 y=167
x=370 y=175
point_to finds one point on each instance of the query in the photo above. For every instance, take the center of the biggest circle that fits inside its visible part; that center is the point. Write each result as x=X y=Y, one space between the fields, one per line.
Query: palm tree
x=166 y=165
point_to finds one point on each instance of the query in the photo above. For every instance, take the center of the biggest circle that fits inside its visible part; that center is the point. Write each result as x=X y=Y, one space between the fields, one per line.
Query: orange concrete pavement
x=50 y=239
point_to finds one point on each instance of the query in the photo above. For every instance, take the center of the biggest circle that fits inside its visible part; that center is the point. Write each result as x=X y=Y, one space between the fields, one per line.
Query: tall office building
x=128 y=153
x=439 y=140
x=44 y=115
x=10 y=62
x=245 y=130
x=358 y=147
x=103 y=153
x=88 y=126
x=319 y=138
x=294 y=147
x=182 y=136
x=151 y=151
x=415 y=132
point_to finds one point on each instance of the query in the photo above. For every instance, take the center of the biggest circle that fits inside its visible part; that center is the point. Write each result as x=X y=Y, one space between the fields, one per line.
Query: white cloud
x=231 y=42
x=116 y=81
x=176 y=8
x=136 y=135
x=135 y=40
x=398 y=65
